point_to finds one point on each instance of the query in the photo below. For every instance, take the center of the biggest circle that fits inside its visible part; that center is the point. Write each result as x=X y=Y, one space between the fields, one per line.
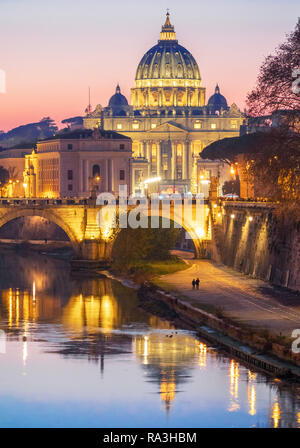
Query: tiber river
x=80 y=352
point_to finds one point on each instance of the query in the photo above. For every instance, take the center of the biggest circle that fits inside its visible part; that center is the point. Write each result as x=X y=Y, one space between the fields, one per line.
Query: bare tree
x=277 y=79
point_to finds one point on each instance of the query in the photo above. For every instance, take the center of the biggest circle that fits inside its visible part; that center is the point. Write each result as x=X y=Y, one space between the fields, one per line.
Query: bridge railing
x=23 y=202
x=36 y=202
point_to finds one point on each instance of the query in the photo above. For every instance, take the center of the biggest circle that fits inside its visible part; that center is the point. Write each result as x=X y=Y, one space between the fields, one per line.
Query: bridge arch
x=199 y=243
x=10 y=215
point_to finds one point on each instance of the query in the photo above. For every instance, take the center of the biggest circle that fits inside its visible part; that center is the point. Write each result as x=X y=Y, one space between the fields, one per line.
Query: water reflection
x=167 y=360
x=50 y=315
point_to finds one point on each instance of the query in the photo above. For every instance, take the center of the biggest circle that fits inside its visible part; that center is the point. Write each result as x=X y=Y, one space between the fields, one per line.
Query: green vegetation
x=145 y=253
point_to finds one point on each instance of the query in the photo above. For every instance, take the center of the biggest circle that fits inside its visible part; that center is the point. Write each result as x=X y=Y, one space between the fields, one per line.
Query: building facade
x=13 y=161
x=78 y=164
x=168 y=120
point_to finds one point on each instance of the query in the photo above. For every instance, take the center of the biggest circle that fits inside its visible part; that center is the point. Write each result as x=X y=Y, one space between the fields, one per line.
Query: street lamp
x=25 y=186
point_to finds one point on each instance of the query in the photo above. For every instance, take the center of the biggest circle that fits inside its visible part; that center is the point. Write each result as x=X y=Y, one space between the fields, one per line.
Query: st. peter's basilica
x=169 y=120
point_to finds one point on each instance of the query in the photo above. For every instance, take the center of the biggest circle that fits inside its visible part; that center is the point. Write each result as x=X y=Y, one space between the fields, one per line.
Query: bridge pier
x=92 y=254
x=203 y=249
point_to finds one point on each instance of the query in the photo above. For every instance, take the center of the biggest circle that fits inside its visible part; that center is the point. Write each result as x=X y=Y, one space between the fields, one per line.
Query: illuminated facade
x=13 y=160
x=78 y=164
x=168 y=119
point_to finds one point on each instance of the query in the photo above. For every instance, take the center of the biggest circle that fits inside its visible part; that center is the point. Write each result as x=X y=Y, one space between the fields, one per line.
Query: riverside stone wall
x=249 y=238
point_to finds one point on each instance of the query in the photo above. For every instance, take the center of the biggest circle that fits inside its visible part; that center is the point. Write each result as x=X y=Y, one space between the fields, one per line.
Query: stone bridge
x=93 y=245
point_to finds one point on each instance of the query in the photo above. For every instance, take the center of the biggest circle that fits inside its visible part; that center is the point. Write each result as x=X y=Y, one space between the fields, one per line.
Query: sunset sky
x=51 y=51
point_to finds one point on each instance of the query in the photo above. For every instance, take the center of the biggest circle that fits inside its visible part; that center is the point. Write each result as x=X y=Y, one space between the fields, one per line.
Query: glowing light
x=25 y=351
x=25 y=185
x=200 y=232
x=205 y=181
x=146 y=342
x=106 y=233
x=33 y=291
x=276 y=415
x=215 y=205
x=219 y=215
x=250 y=218
x=152 y=180
x=232 y=170
x=202 y=354
x=252 y=400
x=232 y=216
x=234 y=385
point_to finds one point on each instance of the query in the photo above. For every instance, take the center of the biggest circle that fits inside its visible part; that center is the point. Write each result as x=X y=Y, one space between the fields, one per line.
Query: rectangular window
x=122 y=174
x=70 y=187
x=119 y=126
x=70 y=146
x=122 y=146
x=213 y=125
x=70 y=174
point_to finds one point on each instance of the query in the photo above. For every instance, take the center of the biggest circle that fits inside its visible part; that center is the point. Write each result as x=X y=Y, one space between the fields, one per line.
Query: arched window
x=96 y=171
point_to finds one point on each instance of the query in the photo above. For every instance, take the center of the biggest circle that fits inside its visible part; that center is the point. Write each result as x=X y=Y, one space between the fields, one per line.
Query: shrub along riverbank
x=144 y=254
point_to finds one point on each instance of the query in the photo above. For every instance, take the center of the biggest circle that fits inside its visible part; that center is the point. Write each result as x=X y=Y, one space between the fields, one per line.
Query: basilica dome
x=118 y=99
x=167 y=75
x=217 y=102
x=167 y=59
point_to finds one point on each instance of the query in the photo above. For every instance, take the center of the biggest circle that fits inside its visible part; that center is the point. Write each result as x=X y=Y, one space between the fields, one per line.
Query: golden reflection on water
x=202 y=354
x=22 y=307
x=168 y=389
x=101 y=306
x=234 y=375
x=169 y=355
x=92 y=311
x=251 y=392
x=276 y=414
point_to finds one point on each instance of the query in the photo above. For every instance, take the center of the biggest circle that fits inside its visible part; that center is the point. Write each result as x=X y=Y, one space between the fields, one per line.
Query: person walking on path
x=197 y=283
x=194 y=283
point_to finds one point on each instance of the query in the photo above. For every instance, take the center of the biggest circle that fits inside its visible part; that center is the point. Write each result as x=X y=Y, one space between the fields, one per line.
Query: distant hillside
x=28 y=133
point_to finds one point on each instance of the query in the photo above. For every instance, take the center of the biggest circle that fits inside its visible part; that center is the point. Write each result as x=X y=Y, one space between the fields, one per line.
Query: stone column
x=174 y=155
x=112 y=175
x=158 y=157
x=106 y=176
x=149 y=156
x=87 y=177
x=191 y=160
x=81 y=178
x=144 y=154
x=185 y=148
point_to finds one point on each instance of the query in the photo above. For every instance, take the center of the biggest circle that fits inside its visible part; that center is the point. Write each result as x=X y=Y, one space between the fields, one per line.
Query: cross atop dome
x=167 y=30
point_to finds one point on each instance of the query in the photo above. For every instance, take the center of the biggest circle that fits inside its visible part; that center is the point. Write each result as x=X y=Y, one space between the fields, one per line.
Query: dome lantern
x=167 y=30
